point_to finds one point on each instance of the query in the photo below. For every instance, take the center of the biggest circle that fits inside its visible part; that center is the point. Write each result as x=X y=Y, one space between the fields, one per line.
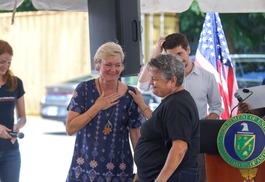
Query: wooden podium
x=218 y=170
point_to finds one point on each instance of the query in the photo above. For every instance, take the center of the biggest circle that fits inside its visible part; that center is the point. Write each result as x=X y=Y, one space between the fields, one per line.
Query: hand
x=104 y=103
x=159 y=49
x=137 y=97
x=4 y=132
x=136 y=179
x=243 y=107
x=15 y=129
x=212 y=116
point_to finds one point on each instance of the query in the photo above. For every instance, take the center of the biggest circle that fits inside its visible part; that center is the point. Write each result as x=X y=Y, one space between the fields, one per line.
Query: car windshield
x=249 y=70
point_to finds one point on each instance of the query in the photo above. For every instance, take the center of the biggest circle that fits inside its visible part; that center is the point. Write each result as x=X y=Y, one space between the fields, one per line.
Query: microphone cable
x=239 y=98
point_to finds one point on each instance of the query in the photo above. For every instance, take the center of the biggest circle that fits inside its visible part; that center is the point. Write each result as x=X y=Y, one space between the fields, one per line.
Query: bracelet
x=89 y=116
x=144 y=110
x=148 y=117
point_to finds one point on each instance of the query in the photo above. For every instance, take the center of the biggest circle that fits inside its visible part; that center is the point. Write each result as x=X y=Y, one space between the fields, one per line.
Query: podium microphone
x=16 y=135
x=240 y=99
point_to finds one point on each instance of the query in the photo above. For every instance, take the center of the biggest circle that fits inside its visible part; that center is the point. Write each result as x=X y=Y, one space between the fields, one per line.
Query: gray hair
x=108 y=49
x=168 y=66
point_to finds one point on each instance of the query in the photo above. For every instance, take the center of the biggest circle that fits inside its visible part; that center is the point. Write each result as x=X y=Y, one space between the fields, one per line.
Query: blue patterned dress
x=98 y=157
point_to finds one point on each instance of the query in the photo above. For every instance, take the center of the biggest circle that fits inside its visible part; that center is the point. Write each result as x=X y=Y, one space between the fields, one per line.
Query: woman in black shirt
x=169 y=144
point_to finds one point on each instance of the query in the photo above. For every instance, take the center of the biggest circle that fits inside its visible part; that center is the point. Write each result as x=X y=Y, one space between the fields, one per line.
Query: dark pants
x=202 y=168
x=185 y=175
x=10 y=165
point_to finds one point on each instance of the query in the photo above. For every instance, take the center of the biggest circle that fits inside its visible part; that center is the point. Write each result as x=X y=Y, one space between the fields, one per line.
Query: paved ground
x=46 y=151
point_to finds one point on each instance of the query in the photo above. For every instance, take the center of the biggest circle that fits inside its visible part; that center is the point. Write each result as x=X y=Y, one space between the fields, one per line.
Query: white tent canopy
x=220 y=6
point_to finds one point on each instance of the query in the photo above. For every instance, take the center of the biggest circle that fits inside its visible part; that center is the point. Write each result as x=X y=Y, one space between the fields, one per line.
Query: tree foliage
x=245 y=32
x=26 y=6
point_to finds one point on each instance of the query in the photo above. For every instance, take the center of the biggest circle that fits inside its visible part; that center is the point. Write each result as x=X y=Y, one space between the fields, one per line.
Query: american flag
x=213 y=55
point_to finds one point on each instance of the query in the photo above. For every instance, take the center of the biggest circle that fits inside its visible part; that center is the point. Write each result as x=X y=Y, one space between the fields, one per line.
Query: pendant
x=107 y=128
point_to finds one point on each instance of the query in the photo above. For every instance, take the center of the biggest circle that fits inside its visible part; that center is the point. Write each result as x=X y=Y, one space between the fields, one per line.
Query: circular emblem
x=241 y=141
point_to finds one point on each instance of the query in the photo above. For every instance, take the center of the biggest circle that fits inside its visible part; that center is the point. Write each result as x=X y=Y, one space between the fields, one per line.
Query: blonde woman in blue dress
x=104 y=117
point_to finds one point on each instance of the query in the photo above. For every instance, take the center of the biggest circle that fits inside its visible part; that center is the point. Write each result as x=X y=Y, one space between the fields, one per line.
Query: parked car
x=249 y=69
x=54 y=103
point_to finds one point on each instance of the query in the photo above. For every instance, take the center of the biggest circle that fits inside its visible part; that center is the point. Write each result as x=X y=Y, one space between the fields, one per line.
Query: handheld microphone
x=240 y=99
x=16 y=134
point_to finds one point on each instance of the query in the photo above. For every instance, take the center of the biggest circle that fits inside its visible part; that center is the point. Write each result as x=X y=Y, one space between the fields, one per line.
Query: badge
x=241 y=141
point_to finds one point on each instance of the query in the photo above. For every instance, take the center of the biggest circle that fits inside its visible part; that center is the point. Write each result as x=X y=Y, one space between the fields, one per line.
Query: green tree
x=26 y=6
x=245 y=32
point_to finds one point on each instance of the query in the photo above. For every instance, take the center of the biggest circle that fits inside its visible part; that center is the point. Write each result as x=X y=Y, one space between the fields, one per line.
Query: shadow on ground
x=55 y=133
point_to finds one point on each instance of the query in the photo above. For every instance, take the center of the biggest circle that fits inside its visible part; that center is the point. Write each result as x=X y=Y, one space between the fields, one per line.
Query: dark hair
x=175 y=40
x=168 y=65
x=10 y=79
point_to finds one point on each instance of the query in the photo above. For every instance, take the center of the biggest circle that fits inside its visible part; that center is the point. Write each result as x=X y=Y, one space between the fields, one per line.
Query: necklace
x=108 y=126
x=99 y=86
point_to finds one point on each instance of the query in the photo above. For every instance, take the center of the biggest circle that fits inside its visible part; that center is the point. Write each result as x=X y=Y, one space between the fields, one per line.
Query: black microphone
x=240 y=99
x=16 y=134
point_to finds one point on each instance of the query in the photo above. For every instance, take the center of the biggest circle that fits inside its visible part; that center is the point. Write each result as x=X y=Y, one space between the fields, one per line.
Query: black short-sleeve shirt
x=176 y=118
x=7 y=105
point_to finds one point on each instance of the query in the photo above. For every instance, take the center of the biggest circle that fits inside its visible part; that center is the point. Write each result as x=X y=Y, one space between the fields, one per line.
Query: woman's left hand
x=137 y=97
